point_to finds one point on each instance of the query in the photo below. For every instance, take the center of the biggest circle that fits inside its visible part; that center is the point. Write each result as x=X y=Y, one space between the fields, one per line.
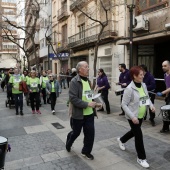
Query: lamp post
x=131 y=6
x=48 y=39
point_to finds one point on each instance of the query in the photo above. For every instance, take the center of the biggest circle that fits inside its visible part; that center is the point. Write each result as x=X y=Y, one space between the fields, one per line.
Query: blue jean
x=87 y=123
x=18 y=101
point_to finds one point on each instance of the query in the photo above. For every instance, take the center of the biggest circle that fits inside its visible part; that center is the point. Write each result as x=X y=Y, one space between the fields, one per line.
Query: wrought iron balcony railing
x=62 y=13
x=90 y=35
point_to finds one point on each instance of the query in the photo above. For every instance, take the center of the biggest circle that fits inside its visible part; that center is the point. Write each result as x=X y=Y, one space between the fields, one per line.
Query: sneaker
x=38 y=111
x=33 y=111
x=143 y=163
x=121 y=145
x=88 y=156
x=53 y=112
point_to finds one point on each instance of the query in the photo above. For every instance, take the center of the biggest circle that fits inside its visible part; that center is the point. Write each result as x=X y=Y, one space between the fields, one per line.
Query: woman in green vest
x=53 y=89
x=18 y=95
x=34 y=89
x=43 y=80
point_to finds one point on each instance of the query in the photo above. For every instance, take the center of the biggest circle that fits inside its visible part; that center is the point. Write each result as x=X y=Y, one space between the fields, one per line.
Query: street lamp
x=131 y=6
x=48 y=40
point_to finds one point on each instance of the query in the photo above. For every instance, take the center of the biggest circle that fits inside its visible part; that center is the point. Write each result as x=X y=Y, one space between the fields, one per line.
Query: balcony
x=79 y=3
x=62 y=45
x=62 y=13
x=90 y=35
x=9 y=4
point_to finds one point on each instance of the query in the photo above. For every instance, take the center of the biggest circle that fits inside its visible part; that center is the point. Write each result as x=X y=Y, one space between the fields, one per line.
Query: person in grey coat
x=135 y=102
x=80 y=95
x=53 y=89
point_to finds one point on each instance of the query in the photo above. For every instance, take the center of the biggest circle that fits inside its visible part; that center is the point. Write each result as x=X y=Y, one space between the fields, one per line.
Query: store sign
x=62 y=56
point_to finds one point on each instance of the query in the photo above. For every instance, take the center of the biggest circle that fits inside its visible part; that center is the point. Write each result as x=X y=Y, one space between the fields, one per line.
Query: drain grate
x=57 y=125
x=167 y=156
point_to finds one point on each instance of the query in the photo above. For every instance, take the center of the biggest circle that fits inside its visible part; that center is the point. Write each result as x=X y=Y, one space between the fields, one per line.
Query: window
x=82 y=31
x=146 y=5
x=10 y=46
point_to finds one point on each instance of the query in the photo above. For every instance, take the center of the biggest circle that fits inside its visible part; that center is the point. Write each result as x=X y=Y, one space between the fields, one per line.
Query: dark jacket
x=75 y=97
x=149 y=81
x=103 y=81
x=124 y=78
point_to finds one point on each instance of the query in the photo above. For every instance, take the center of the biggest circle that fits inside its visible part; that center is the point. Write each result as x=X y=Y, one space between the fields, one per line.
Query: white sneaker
x=53 y=112
x=143 y=163
x=121 y=145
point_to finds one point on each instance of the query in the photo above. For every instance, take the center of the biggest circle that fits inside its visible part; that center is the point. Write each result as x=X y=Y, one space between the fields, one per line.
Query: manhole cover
x=57 y=125
x=167 y=155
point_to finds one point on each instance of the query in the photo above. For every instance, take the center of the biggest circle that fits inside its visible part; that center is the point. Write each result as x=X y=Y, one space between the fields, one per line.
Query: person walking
x=103 y=87
x=62 y=79
x=80 y=95
x=166 y=69
x=34 y=90
x=14 y=81
x=68 y=74
x=53 y=89
x=124 y=80
x=151 y=85
x=43 y=80
x=134 y=103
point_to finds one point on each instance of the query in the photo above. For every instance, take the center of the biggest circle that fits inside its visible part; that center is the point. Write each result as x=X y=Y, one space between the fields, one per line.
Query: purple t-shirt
x=167 y=80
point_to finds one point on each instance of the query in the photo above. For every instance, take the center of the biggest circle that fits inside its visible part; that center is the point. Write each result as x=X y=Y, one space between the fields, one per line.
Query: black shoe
x=88 y=156
x=100 y=110
x=44 y=102
x=145 y=118
x=17 y=113
x=121 y=114
x=108 y=112
x=21 y=113
x=164 y=131
x=152 y=122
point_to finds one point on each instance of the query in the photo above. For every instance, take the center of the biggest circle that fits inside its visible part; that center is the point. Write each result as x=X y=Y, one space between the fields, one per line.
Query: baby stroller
x=10 y=100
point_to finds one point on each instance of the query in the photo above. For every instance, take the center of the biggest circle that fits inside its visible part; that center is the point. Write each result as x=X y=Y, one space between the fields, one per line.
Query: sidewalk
x=38 y=145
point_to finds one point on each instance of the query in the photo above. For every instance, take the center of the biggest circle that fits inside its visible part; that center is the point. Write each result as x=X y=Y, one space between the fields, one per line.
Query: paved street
x=38 y=145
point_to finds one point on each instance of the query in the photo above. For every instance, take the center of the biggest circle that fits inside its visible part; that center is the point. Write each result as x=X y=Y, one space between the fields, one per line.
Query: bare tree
x=31 y=9
x=91 y=13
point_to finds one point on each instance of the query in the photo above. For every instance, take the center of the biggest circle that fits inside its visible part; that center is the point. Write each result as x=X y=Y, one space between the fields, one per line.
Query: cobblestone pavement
x=38 y=145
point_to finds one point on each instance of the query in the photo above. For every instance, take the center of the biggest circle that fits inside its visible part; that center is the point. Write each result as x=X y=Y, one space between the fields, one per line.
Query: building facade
x=32 y=26
x=151 y=36
x=8 y=50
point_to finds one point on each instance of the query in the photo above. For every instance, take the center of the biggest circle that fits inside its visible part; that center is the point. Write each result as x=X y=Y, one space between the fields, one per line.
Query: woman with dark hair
x=134 y=103
x=103 y=87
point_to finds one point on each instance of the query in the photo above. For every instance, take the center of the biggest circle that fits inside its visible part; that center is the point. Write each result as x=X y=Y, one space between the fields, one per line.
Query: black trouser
x=121 y=102
x=18 y=101
x=152 y=114
x=35 y=97
x=53 y=100
x=44 y=94
x=166 y=123
x=87 y=123
x=68 y=81
x=104 y=94
x=137 y=133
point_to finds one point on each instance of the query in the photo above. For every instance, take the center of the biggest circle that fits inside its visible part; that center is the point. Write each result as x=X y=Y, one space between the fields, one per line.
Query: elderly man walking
x=80 y=96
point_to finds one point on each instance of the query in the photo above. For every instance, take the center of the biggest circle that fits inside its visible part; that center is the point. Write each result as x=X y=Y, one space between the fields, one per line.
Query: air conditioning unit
x=141 y=23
